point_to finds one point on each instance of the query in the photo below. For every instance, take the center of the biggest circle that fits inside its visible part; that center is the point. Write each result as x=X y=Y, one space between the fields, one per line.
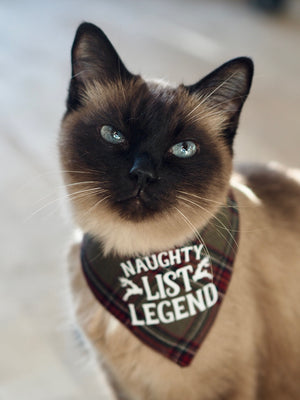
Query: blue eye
x=111 y=135
x=184 y=149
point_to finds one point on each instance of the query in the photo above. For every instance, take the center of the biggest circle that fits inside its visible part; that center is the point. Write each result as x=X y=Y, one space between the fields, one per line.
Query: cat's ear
x=93 y=58
x=225 y=90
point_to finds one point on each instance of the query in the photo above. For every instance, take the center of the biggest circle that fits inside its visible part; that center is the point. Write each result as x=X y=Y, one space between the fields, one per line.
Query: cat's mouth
x=138 y=197
x=136 y=205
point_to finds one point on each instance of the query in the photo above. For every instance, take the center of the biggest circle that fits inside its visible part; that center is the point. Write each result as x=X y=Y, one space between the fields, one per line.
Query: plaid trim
x=178 y=339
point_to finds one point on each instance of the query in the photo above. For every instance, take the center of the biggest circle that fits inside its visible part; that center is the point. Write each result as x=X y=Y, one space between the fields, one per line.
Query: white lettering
x=163 y=262
x=210 y=293
x=150 y=313
x=178 y=308
x=168 y=311
x=149 y=263
x=140 y=266
x=148 y=292
x=185 y=276
x=186 y=251
x=174 y=256
x=134 y=320
x=173 y=289
x=161 y=286
x=165 y=317
x=198 y=249
x=193 y=302
x=128 y=268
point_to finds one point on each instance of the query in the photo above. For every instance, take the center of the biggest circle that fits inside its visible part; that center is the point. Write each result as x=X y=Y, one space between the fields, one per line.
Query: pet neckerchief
x=170 y=299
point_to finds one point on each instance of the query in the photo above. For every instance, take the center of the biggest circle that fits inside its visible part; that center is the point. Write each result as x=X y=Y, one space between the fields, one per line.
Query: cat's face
x=140 y=156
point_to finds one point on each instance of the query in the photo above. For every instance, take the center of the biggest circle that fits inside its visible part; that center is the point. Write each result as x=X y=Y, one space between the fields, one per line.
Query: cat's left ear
x=225 y=90
x=93 y=58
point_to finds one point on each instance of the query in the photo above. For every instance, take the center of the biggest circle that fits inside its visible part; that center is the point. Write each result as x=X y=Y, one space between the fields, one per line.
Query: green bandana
x=170 y=299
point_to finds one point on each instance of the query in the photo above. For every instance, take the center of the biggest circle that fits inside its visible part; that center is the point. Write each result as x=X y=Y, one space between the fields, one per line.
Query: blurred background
x=173 y=39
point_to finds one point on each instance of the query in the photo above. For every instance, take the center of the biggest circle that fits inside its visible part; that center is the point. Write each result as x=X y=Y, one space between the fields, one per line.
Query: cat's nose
x=143 y=169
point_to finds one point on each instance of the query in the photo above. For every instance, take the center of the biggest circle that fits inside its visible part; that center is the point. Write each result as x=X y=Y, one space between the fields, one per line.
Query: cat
x=148 y=169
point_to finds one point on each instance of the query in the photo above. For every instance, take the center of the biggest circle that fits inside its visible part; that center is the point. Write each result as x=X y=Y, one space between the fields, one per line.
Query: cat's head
x=146 y=163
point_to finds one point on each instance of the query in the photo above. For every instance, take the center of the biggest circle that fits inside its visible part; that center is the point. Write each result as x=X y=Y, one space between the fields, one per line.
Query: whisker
x=81 y=196
x=214 y=201
x=220 y=233
x=203 y=198
x=223 y=226
x=56 y=173
x=49 y=195
x=70 y=196
x=66 y=171
x=65 y=186
x=198 y=236
x=95 y=205
x=80 y=183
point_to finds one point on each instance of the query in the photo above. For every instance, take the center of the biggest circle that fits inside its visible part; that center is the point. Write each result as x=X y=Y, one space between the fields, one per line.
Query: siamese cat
x=185 y=280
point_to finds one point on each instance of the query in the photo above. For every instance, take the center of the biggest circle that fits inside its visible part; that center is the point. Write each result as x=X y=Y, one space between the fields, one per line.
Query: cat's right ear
x=225 y=91
x=93 y=59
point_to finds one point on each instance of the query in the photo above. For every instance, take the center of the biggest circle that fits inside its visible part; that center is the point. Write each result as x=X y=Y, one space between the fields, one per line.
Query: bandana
x=169 y=300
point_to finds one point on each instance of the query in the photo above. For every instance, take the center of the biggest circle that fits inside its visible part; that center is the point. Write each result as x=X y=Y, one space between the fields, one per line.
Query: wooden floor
x=177 y=40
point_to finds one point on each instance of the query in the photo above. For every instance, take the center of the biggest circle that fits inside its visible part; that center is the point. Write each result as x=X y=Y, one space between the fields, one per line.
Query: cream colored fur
x=252 y=351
